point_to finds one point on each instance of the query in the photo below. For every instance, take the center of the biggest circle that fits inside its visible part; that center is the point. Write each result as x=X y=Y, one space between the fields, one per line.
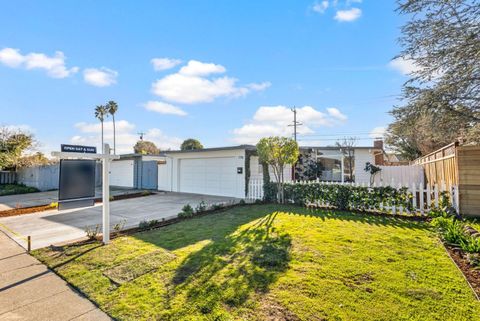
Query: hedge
x=341 y=196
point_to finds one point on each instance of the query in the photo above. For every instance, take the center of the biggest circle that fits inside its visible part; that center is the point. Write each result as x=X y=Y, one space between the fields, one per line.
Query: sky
x=223 y=72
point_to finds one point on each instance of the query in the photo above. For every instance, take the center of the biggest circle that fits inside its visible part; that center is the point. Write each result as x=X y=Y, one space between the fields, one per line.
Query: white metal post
x=106 y=195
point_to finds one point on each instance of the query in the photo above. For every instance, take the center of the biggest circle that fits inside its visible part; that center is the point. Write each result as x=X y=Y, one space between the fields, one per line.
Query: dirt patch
x=141 y=265
x=471 y=273
x=273 y=311
x=126 y=196
x=360 y=281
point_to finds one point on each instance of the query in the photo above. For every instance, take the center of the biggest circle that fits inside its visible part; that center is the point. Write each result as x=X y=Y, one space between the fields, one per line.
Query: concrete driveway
x=53 y=227
x=44 y=198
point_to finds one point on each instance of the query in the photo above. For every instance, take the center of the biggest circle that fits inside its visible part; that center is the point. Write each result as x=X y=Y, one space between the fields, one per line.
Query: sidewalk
x=30 y=291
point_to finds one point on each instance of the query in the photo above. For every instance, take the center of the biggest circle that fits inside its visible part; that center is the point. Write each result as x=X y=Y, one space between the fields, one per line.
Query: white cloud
x=336 y=114
x=275 y=120
x=378 y=132
x=348 y=15
x=164 y=108
x=160 y=64
x=404 y=66
x=54 y=65
x=102 y=77
x=198 y=68
x=260 y=86
x=126 y=137
x=191 y=84
x=320 y=7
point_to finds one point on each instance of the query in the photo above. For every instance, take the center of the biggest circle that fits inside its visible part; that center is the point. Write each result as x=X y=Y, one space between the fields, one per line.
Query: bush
x=201 y=207
x=187 y=211
x=444 y=208
x=342 y=196
x=92 y=231
x=451 y=229
x=119 y=226
x=216 y=207
x=148 y=224
x=12 y=189
x=470 y=244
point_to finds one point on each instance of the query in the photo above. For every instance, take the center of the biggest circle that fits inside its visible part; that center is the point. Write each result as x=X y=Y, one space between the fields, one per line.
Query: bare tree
x=347 y=148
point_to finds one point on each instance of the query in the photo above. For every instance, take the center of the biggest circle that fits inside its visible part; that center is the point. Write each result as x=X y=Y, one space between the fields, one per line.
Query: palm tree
x=100 y=113
x=112 y=108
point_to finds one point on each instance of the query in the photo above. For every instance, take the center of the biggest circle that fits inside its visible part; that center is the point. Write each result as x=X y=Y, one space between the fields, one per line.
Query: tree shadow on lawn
x=228 y=272
x=217 y=226
x=239 y=259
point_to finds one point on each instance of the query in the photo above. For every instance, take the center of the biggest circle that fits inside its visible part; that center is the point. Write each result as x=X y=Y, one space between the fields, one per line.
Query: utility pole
x=141 y=135
x=295 y=124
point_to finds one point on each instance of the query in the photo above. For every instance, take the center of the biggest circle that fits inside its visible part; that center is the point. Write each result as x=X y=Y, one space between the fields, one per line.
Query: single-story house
x=226 y=171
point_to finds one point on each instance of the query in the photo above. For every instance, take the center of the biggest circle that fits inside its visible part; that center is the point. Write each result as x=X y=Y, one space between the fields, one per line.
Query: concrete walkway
x=53 y=227
x=30 y=291
x=44 y=198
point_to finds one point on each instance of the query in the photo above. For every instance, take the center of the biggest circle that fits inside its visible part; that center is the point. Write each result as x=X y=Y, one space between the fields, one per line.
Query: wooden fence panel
x=469 y=179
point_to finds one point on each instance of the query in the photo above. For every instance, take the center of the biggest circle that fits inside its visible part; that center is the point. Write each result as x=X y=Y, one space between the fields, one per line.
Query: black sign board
x=78 y=149
x=77 y=180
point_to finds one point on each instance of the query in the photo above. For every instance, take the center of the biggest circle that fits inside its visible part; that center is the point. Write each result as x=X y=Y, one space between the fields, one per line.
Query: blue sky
x=227 y=72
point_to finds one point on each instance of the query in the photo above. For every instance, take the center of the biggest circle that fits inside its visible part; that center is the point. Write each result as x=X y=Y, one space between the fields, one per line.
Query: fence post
x=422 y=204
x=414 y=198
x=435 y=193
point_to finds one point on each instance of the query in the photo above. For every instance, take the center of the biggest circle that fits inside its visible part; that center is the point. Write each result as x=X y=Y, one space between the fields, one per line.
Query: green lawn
x=270 y=262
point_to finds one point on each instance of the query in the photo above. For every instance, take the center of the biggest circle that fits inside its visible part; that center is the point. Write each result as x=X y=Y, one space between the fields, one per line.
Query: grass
x=270 y=262
x=12 y=189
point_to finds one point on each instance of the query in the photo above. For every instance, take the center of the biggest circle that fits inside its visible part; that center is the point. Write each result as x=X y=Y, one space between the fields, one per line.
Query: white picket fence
x=424 y=197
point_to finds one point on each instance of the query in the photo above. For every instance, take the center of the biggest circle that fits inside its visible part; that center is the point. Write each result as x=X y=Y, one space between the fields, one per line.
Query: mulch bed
x=471 y=273
x=25 y=210
x=42 y=208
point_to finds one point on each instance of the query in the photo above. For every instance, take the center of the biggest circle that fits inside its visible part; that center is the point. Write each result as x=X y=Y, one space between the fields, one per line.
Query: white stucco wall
x=236 y=155
x=256 y=170
x=362 y=156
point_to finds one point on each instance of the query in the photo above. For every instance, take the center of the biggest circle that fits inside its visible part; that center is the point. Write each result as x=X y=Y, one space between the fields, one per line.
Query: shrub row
x=342 y=197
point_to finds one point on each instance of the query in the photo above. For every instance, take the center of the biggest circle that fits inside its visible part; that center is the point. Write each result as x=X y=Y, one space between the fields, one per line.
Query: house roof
x=246 y=147
x=132 y=155
x=336 y=148
x=253 y=147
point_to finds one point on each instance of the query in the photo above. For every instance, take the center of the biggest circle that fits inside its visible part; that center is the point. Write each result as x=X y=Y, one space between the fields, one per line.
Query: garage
x=210 y=171
x=211 y=176
x=121 y=173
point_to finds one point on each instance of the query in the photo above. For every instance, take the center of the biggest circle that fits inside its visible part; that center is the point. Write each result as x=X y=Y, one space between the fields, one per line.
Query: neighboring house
x=332 y=163
x=226 y=171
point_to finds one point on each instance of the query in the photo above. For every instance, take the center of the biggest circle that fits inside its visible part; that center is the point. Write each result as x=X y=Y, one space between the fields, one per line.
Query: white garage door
x=121 y=173
x=210 y=176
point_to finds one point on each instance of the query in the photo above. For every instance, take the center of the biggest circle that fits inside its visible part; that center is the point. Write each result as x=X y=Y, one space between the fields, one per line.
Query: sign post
x=85 y=152
x=106 y=195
